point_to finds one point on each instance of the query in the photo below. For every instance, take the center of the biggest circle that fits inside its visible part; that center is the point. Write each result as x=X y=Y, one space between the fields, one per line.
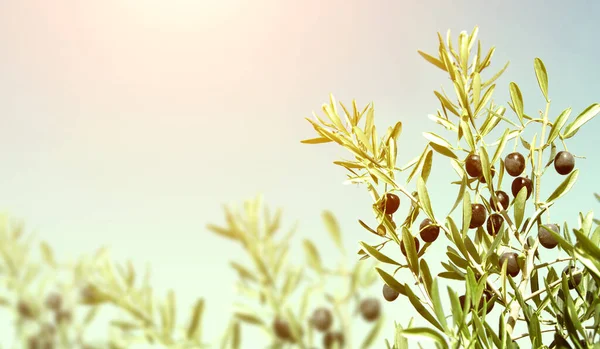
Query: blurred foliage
x=287 y=301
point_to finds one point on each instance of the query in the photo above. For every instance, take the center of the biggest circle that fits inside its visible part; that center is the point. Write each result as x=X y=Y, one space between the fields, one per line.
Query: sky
x=131 y=123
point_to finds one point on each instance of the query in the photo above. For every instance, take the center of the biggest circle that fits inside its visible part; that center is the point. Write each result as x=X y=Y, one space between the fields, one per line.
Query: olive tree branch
x=558 y=260
x=552 y=285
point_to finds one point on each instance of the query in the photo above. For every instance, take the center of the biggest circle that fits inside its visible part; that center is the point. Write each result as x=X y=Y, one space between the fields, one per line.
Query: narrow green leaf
x=333 y=228
x=373 y=333
x=451 y=275
x=427 y=333
x=519 y=206
x=391 y=281
x=443 y=150
x=373 y=252
x=486 y=97
x=517 y=99
x=457 y=237
x=427 y=164
x=418 y=305
x=248 y=318
x=476 y=91
x=317 y=140
x=432 y=137
x=496 y=76
x=558 y=125
x=466 y=129
x=432 y=60
x=461 y=193
x=467 y=212
x=426 y=275
x=501 y=145
x=542 y=76
x=312 y=255
x=424 y=198
x=437 y=304
x=411 y=252
x=194 y=327
x=564 y=187
x=589 y=113
x=486 y=166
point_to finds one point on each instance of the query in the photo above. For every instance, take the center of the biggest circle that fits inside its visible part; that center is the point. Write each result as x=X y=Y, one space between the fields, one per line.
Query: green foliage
x=554 y=305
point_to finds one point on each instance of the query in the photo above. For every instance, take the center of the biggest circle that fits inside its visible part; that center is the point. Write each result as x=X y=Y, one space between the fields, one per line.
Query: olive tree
x=499 y=224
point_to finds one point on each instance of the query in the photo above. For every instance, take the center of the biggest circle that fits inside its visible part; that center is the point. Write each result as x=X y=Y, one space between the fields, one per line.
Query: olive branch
x=488 y=259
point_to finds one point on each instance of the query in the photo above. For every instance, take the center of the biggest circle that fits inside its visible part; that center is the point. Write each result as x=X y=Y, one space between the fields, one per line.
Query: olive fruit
x=25 y=310
x=514 y=163
x=282 y=329
x=564 y=162
x=461 y=300
x=478 y=215
x=53 y=301
x=574 y=280
x=519 y=183
x=62 y=316
x=429 y=231
x=512 y=267
x=370 y=309
x=389 y=293
x=494 y=223
x=473 y=165
x=391 y=203
x=492 y=173
x=503 y=200
x=545 y=236
x=333 y=337
x=322 y=319
x=487 y=297
x=403 y=250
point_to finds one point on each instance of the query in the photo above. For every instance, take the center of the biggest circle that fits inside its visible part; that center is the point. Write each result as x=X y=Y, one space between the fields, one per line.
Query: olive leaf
x=432 y=60
x=437 y=304
x=426 y=170
x=391 y=281
x=312 y=255
x=564 y=187
x=333 y=228
x=47 y=253
x=373 y=333
x=585 y=116
x=542 y=76
x=318 y=140
x=427 y=333
x=378 y=255
x=467 y=213
x=517 y=99
x=410 y=248
x=501 y=145
x=193 y=330
x=519 y=206
x=418 y=305
x=424 y=198
x=558 y=124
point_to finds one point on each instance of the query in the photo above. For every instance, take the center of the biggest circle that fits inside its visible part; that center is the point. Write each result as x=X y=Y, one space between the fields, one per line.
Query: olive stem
x=558 y=260
x=530 y=253
x=526 y=334
x=552 y=285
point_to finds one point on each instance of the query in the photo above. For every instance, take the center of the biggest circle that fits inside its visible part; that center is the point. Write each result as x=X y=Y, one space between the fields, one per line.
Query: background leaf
x=333 y=228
